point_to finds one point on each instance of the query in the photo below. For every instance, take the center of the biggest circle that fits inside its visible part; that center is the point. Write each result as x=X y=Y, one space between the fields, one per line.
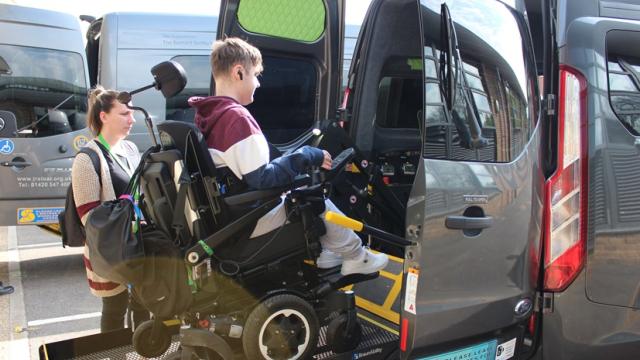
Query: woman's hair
x=100 y=99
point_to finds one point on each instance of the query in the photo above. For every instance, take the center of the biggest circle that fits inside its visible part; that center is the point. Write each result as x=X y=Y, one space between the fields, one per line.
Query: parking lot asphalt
x=51 y=301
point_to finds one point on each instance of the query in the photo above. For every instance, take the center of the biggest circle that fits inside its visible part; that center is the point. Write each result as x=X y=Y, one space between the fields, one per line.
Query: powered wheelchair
x=262 y=295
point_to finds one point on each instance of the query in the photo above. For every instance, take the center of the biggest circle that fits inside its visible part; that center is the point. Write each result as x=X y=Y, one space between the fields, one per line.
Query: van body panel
x=33 y=193
x=132 y=43
x=470 y=285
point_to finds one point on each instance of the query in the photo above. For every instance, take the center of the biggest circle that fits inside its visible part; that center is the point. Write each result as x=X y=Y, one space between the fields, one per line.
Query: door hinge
x=547 y=303
x=549 y=104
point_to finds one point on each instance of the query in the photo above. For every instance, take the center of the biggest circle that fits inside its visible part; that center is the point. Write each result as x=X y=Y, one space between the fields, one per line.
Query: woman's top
x=88 y=193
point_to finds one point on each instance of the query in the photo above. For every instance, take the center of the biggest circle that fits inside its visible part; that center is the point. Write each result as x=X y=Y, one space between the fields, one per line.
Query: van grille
x=627 y=191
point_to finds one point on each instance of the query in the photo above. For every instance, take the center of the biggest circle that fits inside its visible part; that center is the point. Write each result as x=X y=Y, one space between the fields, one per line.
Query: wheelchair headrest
x=187 y=138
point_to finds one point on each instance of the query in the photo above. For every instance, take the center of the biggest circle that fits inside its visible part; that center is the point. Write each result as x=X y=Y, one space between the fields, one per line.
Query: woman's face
x=118 y=121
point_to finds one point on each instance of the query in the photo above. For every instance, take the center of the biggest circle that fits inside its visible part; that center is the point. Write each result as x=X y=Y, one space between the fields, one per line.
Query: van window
x=196 y=68
x=400 y=94
x=399 y=102
x=496 y=81
x=624 y=91
x=285 y=103
x=35 y=82
x=306 y=18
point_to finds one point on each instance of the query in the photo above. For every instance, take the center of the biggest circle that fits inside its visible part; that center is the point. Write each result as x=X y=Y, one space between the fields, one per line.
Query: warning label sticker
x=411 y=291
x=506 y=350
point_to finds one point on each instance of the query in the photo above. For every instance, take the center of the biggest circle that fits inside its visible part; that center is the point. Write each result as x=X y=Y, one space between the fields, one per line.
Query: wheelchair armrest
x=265 y=194
x=198 y=251
x=251 y=197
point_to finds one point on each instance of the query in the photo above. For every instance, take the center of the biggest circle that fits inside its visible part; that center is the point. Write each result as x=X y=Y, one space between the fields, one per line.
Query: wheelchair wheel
x=282 y=327
x=146 y=345
x=342 y=339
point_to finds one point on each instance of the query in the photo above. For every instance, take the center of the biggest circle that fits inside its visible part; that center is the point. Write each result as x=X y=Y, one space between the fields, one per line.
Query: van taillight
x=566 y=191
x=404 y=333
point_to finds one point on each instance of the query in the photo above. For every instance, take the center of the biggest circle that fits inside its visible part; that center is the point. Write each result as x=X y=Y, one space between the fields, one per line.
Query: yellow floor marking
x=378 y=324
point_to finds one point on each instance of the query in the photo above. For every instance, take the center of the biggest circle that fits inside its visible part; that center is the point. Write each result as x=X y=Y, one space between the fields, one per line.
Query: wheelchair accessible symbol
x=6 y=146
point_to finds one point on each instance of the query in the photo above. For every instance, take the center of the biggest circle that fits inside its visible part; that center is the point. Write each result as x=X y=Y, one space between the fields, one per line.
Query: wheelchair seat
x=185 y=165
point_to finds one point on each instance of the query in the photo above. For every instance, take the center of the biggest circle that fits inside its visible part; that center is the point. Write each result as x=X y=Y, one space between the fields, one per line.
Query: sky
x=355 y=9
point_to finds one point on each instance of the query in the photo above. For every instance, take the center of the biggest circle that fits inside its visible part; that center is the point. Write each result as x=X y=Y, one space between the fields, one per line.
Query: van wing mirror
x=170 y=78
x=5 y=69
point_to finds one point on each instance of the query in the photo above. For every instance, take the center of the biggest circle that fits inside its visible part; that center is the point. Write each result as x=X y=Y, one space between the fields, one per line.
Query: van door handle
x=16 y=163
x=467 y=222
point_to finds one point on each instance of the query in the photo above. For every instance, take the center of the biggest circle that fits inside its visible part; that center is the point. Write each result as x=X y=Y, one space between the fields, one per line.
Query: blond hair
x=229 y=52
x=100 y=99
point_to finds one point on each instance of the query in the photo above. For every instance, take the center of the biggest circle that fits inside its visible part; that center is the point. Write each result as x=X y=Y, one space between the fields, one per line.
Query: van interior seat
x=58 y=123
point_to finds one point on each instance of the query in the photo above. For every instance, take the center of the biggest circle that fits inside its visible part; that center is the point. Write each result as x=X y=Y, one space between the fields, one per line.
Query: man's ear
x=237 y=72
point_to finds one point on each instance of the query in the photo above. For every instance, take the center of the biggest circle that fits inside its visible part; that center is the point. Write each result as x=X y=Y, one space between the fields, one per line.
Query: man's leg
x=270 y=221
x=345 y=242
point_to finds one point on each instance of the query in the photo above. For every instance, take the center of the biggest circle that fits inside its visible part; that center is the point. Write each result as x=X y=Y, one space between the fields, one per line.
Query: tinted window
x=399 y=94
x=495 y=83
x=45 y=89
x=285 y=103
x=197 y=67
x=623 y=91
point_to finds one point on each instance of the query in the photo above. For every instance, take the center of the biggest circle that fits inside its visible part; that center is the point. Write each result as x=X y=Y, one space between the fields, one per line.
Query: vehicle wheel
x=147 y=346
x=282 y=327
x=341 y=339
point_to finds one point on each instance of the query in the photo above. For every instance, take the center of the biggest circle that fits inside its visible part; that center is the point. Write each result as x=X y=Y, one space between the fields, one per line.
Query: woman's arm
x=86 y=186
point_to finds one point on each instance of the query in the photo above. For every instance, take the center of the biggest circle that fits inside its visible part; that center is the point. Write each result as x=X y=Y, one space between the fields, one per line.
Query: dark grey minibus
x=590 y=275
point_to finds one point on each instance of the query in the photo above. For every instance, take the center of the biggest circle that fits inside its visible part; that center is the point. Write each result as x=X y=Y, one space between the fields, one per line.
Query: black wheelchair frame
x=240 y=281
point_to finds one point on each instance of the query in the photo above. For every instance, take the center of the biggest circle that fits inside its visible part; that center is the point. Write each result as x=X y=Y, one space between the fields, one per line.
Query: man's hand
x=326 y=162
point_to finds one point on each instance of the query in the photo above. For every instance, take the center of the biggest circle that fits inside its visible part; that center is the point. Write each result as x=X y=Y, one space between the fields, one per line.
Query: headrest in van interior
x=8 y=124
x=78 y=120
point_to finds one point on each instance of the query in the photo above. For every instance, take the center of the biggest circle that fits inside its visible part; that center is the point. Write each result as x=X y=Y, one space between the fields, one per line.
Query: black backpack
x=71 y=227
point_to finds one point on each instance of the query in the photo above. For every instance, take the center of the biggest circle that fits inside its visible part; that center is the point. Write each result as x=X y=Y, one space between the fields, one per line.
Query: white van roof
x=39 y=17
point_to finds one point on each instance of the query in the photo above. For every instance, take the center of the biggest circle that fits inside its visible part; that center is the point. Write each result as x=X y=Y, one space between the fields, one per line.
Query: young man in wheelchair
x=237 y=143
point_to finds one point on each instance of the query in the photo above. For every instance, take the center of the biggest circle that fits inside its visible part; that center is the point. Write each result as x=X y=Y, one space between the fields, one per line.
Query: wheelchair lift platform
x=377 y=301
x=379 y=341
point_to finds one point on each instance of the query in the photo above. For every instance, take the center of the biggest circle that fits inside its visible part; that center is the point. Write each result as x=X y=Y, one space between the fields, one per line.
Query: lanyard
x=134 y=199
x=113 y=156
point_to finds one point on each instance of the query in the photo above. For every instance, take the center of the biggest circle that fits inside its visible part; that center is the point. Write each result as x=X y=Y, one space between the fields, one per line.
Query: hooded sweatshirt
x=235 y=141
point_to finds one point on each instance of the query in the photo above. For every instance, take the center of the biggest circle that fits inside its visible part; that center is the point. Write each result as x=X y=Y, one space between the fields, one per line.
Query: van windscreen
x=44 y=84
